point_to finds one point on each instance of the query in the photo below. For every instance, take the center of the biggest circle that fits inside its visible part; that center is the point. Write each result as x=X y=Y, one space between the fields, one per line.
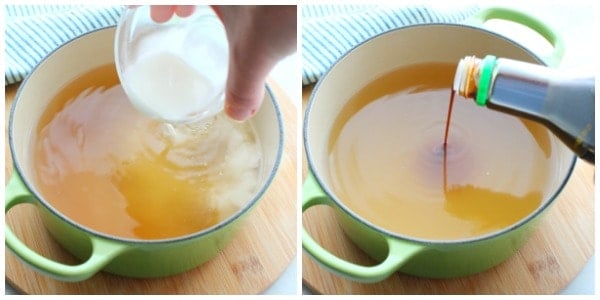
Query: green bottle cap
x=485 y=79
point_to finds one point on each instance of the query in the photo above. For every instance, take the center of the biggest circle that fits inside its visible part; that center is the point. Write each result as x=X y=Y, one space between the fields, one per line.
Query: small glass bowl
x=174 y=71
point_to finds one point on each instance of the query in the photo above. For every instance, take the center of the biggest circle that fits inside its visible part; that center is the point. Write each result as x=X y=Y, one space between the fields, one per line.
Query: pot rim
x=224 y=223
x=389 y=233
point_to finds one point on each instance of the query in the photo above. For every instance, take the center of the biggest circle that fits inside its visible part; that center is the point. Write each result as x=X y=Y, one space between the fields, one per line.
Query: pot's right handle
x=538 y=26
x=399 y=252
x=103 y=250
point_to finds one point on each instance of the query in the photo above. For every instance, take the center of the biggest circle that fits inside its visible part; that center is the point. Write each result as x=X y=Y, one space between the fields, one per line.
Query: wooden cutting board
x=255 y=258
x=555 y=254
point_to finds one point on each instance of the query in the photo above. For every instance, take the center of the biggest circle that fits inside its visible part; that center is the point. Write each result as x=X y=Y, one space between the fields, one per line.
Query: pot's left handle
x=399 y=252
x=103 y=251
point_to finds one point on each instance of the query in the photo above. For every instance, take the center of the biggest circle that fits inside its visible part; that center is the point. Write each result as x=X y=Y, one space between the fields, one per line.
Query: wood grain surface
x=555 y=254
x=255 y=258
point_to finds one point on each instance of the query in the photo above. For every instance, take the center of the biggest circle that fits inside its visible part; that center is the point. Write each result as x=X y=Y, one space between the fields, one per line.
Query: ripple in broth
x=387 y=164
x=112 y=169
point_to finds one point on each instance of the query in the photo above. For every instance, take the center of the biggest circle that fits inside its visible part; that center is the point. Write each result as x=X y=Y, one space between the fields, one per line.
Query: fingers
x=255 y=46
x=162 y=13
x=184 y=10
x=241 y=107
x=245 y=87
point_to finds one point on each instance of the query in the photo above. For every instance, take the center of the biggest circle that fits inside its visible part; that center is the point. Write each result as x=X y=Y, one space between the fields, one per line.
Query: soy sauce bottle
x=561 y=102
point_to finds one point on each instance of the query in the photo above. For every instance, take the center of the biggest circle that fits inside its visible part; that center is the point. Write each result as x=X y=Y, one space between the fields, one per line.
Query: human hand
x=162 y=13
x=258 y=36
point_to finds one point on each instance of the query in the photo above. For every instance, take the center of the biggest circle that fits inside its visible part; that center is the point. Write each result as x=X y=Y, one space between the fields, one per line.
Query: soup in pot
x=388 y=163
x=112 y=169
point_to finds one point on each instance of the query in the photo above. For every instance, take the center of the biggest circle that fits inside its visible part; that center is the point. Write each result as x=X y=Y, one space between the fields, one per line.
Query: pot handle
x=533 y=23
x=103 y=250
x=399 y=252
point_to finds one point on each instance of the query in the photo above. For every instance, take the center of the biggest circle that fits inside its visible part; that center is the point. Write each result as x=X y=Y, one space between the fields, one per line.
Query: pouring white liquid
x=182 y=93
x=173 y=71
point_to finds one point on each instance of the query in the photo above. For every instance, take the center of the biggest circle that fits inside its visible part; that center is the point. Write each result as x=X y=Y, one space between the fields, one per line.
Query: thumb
x=256 y=43
x=245 y=87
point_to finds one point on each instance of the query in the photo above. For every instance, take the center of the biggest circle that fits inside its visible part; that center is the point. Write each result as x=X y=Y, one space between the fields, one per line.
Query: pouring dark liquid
x=449 y=117
x=389 y=165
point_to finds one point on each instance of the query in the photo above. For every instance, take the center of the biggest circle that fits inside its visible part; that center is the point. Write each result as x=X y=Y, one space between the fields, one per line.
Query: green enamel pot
x=395 y=251
x=96 y=250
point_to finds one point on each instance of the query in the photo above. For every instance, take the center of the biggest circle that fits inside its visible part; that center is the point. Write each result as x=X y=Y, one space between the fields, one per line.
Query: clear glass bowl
x=174 y=71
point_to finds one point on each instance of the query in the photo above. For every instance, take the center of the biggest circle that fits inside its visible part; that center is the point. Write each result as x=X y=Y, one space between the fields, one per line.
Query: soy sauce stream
x=445 y=145
x=448 y=117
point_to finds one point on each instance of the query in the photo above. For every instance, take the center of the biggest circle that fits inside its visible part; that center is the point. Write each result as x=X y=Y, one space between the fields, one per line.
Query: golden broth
x=112 y=169
x=387 y=161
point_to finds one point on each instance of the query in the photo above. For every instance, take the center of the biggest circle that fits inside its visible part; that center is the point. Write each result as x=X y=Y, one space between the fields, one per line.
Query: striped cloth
x=329 y=31
x=33 y=31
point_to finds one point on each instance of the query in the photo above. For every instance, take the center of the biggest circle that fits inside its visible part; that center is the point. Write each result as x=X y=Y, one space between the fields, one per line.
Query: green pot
x=99 y=251
x=373 y=58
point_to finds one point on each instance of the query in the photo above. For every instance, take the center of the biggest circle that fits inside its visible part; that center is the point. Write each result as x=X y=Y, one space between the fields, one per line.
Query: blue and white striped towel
x=33 y=31
x=329 y=31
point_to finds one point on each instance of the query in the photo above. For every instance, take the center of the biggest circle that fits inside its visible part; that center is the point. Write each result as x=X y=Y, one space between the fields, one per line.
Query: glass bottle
x=562 y=102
